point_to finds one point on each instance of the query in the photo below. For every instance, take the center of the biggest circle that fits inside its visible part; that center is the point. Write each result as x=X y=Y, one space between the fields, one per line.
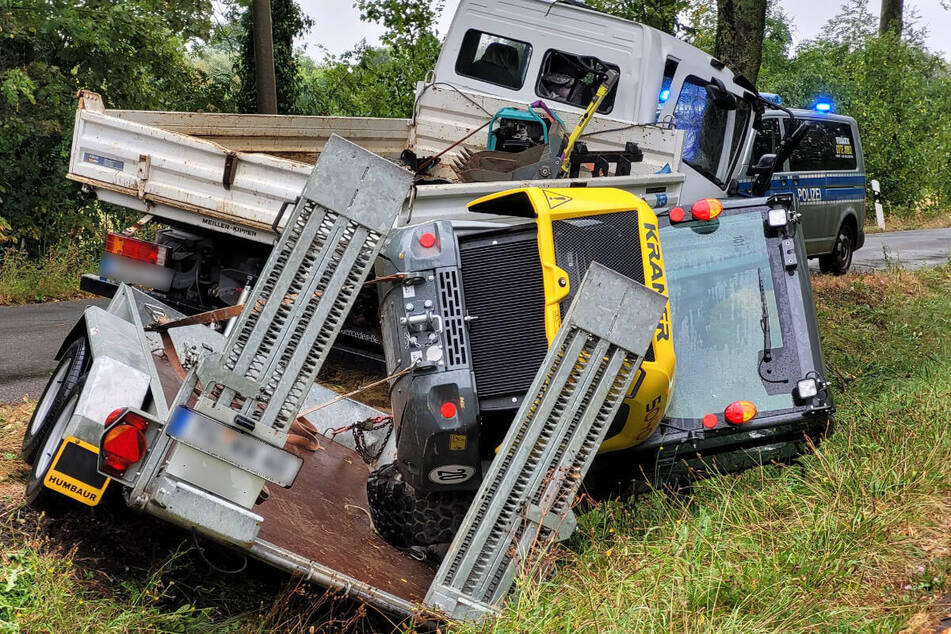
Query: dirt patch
x=13 y=472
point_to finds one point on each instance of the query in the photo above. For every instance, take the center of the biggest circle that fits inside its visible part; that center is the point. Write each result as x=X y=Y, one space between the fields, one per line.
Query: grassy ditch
x=855 y=538
x=25 y=280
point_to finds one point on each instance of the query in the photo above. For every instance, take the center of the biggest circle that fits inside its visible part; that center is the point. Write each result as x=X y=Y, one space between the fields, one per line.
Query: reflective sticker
x=105 y=161
x=555 y=200
x=843 y=147
x=451 y=473
x=457 y=442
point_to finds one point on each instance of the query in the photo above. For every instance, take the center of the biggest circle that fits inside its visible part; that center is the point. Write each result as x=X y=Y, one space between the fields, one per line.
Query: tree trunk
x=891 y=17
x=739 y=41
x=265 y=84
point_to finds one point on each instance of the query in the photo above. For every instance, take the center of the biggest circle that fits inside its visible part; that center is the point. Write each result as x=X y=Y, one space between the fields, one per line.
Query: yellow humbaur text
x=647 y=401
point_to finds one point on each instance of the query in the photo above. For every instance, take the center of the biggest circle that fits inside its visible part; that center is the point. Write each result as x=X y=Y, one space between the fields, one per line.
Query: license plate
x=234 y=447
x=75 y=474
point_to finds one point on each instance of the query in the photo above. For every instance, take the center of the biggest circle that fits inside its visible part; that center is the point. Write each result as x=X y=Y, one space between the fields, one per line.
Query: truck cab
x=826 y=176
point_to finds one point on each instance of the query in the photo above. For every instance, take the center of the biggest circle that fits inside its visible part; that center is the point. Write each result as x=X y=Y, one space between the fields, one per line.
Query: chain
x=360 y=441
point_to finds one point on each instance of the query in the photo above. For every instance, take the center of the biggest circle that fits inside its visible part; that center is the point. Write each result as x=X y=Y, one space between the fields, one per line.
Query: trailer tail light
x=427 y=240
x=124 y=442
x=136 y=249
x=706 y=209
x=448 y=409
x=739 y=412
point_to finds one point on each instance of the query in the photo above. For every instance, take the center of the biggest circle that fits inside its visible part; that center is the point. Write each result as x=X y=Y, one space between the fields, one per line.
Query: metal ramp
x=524 y=503
x=304 y=292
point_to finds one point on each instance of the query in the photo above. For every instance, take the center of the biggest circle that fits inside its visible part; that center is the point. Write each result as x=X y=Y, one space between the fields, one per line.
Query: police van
x=826 y=175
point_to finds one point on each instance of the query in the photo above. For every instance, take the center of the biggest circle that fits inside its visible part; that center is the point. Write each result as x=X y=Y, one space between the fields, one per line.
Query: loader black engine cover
x=435 y=408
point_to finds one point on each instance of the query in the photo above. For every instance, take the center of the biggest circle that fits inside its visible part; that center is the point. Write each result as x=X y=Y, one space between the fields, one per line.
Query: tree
x=287 y=22
x=660 y=14
x=739 y=39
x=132 y=51
x=891 y=17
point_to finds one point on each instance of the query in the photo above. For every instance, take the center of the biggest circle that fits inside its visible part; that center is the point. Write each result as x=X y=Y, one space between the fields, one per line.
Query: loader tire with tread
x=69 y=371
x=405 y=519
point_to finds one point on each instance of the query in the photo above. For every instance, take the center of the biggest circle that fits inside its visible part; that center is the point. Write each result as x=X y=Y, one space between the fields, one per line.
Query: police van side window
x=828 y=146
x=493 y=59
x=574 y=79
x=766 y=141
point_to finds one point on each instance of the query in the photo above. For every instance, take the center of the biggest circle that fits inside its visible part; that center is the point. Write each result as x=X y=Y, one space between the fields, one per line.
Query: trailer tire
x=69 y=371
x=37 y=495
x=405 y=519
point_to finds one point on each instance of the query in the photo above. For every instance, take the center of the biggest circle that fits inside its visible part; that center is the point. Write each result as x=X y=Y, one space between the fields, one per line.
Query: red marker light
x=427 y=240
x=709 y=421
x=123 y=445
x=448 y=409
x=113 y=415
x=677 y=214
x=706 y=209
x=739 y=412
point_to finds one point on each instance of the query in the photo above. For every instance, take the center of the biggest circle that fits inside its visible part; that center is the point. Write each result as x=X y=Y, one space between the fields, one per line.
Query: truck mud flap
x=524 y=502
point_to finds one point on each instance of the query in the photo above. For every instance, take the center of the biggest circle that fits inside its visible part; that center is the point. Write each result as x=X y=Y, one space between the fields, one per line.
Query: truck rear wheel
x=50 y=437
x=405 y=519
x=72 y=365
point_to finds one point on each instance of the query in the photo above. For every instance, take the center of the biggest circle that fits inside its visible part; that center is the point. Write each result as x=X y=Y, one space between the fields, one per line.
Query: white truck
x=188 y=424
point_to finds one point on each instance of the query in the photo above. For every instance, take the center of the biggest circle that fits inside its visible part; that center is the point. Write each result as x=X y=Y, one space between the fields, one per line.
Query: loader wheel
x=50 y=437
x=405 y=519
x=839 y=261
x=72 y=365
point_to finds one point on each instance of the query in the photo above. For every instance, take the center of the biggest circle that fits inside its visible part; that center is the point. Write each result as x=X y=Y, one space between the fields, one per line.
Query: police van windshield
x=713 y=135
x=713 y=274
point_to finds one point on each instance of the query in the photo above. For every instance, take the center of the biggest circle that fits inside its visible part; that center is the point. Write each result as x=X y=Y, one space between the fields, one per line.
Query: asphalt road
x=31 y=334
x=29 y=337
x=908 y=249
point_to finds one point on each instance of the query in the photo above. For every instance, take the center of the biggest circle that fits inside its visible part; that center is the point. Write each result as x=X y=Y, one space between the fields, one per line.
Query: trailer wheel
x=50 y=437
x=405 y=519
x=72 y=365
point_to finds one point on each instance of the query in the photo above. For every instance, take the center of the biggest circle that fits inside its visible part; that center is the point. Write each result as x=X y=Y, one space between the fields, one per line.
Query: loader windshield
x=713 y=272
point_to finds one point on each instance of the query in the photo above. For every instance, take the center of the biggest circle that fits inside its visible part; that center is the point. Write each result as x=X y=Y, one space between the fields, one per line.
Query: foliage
x=24 y=280
x=287 y=22
x=130 y=50
x=373 y=81
x=660 y=14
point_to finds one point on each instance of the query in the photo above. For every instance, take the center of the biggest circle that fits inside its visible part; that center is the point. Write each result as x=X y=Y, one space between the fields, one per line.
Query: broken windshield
x=713 y=274
x=712 y=135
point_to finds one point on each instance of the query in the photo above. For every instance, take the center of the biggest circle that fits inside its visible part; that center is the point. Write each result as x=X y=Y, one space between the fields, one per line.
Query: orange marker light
x=739 y=412
x=706 y=209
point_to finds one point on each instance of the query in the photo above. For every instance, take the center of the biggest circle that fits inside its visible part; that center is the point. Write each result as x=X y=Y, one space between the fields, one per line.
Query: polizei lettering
x=657 y=281
x=63 y=485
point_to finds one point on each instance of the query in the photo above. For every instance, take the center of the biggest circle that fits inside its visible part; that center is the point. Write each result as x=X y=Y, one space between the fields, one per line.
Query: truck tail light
x=136 y=249
x=706 y=209
x=124 y=442
x=739 y=412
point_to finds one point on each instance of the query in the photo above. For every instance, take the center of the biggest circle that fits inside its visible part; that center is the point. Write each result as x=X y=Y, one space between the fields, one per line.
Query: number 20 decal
x=451 y=473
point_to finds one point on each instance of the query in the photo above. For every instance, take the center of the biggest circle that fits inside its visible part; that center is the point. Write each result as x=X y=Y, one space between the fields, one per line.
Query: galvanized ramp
x=524 y=503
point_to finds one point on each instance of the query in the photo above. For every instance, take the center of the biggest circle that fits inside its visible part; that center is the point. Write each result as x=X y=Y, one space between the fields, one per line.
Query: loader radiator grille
x=502 y=277
x=453 y=316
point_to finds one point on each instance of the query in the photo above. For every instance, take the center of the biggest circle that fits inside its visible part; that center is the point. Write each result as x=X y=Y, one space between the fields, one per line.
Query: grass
x=25 y=280
x=927 y=218
x=856 y=538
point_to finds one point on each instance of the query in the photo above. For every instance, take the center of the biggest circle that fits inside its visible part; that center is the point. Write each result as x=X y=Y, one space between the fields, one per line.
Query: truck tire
x=407 y=520
x=50 y=437
x=72 y=366
x=839 y=261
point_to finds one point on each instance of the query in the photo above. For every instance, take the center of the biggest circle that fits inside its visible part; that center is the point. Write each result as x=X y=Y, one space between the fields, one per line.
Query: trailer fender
x=118 y=375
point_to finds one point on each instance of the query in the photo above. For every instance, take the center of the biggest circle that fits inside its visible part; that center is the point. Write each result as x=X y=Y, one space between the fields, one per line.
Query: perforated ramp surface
x=322 y=517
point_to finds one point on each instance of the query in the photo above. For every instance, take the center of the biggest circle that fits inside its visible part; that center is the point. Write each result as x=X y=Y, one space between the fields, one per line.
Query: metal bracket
x=231 y=168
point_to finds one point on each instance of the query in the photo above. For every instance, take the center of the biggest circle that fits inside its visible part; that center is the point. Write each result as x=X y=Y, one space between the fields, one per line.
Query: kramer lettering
x=657 y=275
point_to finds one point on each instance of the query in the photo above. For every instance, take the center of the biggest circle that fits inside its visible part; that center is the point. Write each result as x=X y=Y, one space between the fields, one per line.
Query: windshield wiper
x=764 y=323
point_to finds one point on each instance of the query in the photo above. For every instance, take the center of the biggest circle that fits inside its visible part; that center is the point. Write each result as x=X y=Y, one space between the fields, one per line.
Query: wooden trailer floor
x=324 y=517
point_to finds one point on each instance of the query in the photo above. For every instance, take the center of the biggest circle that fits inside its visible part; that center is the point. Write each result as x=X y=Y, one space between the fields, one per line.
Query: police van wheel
x=51 y=435
x=72 y=365
x=839 y=261
x=405 y=519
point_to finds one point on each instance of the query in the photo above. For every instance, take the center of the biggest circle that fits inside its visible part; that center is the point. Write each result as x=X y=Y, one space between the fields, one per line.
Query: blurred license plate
x=234 y=447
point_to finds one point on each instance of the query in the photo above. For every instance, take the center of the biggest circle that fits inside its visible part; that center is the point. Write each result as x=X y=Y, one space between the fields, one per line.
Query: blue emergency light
x=664 y=95
x=823 y=106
